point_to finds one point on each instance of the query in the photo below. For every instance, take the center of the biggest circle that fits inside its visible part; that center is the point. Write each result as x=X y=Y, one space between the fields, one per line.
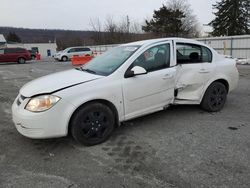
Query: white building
x=235 y=46
x=45 y=49
x=2 y=41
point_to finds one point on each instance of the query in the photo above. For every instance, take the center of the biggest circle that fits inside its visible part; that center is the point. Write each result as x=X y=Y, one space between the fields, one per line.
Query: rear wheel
x=215 y=97
x=92 y=124
x=21 y=60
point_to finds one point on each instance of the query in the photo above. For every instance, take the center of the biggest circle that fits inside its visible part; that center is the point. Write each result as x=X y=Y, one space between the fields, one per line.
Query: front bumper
x=49 y=124
x=57 y=58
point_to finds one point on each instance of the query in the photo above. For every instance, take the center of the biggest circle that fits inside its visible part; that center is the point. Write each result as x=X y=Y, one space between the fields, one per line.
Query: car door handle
x=204 y=71
x=168 y=76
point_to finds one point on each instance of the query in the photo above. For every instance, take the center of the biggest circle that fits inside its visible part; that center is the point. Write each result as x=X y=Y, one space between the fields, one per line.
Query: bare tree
x=116 y=31
x=123 y=26
x=135 y=27
x=190 y=22
x=110 y=29
x=110 y=25
x=96 y=26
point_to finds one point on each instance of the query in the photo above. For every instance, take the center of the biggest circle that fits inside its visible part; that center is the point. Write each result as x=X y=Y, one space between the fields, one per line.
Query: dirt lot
x=180 y=147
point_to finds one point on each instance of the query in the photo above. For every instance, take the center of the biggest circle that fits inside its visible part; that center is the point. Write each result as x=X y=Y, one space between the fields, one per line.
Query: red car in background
x=19 y=55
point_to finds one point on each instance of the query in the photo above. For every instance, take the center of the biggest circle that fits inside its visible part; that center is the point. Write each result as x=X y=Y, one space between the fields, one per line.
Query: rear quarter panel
x=225 y=69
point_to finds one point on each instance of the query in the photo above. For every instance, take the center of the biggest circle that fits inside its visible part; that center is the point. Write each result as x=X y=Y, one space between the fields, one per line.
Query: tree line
x=175 y=18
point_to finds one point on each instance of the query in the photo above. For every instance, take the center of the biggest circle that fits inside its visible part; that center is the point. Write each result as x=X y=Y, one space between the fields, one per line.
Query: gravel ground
x=182 y=146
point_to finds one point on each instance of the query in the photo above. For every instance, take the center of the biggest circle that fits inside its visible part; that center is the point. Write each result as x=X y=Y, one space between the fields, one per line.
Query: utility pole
x=128 y=23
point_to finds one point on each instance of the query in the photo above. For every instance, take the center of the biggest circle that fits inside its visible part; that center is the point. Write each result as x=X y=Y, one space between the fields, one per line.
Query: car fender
x=61 y=55
x=98 y=99
x=77 y=99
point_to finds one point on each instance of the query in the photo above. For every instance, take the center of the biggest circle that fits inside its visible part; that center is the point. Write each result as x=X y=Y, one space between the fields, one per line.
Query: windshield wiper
x=88 y=70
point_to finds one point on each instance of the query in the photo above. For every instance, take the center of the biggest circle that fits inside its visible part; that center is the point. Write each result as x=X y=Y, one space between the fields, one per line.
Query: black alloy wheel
x=92 y=124
x=215 y=97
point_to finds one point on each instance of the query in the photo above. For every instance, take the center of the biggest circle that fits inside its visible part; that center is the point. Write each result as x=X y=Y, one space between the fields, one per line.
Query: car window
x=111 y=60
x=79 y=49
x=206 y=55
x=1 y=51
x=155 y=58
x=72 y=50
x=14 y=50
x=19 y=50
x=188 y=53
x=192 y=53
x=83 y=49
x=9 y=51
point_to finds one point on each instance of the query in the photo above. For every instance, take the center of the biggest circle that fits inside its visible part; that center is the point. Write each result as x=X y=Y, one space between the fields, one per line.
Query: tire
x=215 y=97
x=92 y=124
x=64 y=58
x=21 y=60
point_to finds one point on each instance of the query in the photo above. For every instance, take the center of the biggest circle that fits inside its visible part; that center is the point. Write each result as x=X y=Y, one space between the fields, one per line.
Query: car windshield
x=65 y=51
x=111 y=60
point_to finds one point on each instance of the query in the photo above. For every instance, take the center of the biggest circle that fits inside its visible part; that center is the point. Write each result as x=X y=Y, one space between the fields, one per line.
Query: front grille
x=18 y=102
x=22 y=97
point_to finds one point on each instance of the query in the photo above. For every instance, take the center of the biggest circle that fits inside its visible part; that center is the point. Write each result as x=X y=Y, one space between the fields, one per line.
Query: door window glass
x=14 y=50
x=206 y=55
x=83 y=49
x=72 y=50
x=188 y=53
x=155 y=58
x=192 y=53
x=79 y=50
x=9 y=51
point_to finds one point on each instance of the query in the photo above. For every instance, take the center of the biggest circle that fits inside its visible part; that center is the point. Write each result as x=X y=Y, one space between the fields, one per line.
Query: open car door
x=194 y=70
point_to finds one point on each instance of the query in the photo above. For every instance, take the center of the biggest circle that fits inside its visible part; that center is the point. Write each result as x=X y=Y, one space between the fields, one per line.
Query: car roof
x=152 y=41
x=13 y=48
x=77 y=47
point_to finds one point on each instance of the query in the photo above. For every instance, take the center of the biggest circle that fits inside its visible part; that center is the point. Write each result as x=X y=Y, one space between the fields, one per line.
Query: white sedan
x=126 y=82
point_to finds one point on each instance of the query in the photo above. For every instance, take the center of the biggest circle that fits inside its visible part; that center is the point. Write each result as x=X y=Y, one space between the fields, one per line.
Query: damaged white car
x=126 y=82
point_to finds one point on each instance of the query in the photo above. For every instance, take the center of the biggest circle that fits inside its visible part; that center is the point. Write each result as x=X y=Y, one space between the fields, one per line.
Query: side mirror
x=137 y=70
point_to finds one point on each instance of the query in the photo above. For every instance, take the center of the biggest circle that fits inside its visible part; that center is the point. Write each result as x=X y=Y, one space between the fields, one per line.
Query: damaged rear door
x=194 y=70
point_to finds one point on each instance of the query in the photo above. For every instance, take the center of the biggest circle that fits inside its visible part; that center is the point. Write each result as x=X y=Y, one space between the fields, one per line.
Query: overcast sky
x=76 y=14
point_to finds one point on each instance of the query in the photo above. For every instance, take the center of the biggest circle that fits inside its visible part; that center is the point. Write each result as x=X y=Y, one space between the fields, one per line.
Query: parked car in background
x=32 y=54
x=68 y=53
x=125 y=82
x=19 y=55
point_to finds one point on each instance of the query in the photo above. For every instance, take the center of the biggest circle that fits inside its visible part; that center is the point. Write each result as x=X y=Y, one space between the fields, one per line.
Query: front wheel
x=215 y=97
x=64 y=58
x=92 y=124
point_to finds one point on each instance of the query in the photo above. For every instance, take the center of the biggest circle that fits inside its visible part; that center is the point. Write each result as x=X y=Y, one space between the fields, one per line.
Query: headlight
x=42 y=103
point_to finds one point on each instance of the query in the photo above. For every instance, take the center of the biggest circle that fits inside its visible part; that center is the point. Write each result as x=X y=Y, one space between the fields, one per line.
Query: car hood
x=57 y=81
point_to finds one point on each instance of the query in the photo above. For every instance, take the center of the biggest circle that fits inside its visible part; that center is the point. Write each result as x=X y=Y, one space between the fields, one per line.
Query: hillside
x=63 y=38
x=67 y=38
